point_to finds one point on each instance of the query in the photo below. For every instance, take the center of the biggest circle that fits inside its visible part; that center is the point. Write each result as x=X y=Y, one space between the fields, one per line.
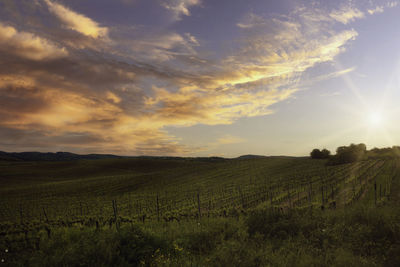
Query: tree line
x=353 y=153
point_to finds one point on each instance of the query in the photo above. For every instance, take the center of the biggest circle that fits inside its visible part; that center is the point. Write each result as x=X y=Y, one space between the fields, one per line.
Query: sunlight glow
x=375 y=119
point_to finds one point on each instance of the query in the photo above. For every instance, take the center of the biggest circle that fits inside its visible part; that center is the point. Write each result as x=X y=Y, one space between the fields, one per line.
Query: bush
x=348 y=154
x=88 y=247
x=272 y=224
x=135 y=246
x=209 y=236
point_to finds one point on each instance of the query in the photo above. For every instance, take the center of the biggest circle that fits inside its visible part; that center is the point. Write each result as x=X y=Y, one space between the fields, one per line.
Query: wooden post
x=129 y=205
x=21 y=214
x=158 y=210
x=375 y=191
x=198 y=204
x=242 y=197
x=101 y=208
x=322 y=190
x=309 y=200
x=115 y=209
x=45 y=215
x=271 y=195
x=209 y=207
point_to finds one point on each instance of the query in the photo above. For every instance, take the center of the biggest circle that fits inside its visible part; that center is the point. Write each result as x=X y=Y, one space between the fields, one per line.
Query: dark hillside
x=49 y=156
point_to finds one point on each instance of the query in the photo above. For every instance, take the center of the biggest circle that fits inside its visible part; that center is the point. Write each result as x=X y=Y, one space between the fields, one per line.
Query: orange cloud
x=57 y=117
x=76 y=21
x=186 y=108
x=28 y=45
x=113 y=97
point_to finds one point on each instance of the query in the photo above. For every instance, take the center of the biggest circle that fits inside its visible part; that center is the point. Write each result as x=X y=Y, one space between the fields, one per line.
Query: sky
x=198 y=77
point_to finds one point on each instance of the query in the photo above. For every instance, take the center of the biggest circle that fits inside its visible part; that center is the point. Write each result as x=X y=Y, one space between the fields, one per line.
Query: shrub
x=88 y=247
x=272 y=224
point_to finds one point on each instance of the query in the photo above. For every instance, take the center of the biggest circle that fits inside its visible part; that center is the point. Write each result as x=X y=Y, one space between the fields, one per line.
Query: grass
x=136 y=182
x=60 y=213
x=360 y=236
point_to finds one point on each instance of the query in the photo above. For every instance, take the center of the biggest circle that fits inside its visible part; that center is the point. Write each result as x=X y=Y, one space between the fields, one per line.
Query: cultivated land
x=251 y=211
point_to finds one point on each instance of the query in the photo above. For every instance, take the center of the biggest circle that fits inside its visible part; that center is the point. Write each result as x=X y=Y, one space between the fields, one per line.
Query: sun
x=375 y=119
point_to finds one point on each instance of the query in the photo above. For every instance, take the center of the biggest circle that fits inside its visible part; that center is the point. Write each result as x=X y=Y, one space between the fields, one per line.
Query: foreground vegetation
x=358 y=236
x=254 y=211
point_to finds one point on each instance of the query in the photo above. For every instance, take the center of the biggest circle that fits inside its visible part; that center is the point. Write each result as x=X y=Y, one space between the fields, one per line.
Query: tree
x=325 y=153
x=315 y=153
x=347 y=154
x=318 y=154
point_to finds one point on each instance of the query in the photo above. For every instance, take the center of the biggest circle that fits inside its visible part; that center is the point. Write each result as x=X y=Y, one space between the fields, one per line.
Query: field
x=197 y=211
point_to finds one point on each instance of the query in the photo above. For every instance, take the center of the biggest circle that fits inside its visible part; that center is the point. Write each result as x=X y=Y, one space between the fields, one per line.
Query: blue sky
x=198 y=77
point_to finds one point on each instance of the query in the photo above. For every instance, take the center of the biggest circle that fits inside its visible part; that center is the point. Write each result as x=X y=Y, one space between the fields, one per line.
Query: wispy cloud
x=346 y=14
x=251 y=20
x=378 y=9
x=190 y=106
x=327 y=76
x=164 y=46
x=330 y=94
x=280 y=47
x=392 y=4
x=230 y=139
x=76 y=21
x=180 y=7
x=381 y=8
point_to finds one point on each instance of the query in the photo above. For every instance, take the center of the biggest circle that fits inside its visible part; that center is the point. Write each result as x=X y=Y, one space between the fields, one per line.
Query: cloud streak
x=346 y=14
x=179 y=7
x=76 y=21
x=230 y=139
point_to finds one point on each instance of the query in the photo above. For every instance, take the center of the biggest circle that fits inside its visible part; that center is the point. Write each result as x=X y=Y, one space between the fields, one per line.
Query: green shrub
x=88 y=247
x=273 y=224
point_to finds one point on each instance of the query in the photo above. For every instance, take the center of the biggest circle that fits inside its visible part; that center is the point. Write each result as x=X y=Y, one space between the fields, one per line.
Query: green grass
x=358 y=236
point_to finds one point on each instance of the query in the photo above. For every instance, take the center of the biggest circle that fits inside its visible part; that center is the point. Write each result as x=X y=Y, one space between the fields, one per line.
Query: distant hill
x=49 y=156
x=250 y=156
x=67 y=156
